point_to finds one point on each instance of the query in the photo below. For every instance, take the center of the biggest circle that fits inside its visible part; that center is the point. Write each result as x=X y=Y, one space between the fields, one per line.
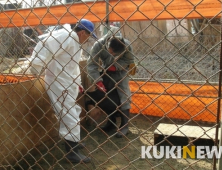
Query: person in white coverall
x=59 y=55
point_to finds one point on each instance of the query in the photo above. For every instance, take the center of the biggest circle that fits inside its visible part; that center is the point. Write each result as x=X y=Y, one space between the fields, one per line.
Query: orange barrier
x=123 y=10
x=179 y=101
x=13 y=79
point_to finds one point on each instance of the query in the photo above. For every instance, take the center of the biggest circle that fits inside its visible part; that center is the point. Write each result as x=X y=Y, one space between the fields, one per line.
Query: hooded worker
x=58 y=56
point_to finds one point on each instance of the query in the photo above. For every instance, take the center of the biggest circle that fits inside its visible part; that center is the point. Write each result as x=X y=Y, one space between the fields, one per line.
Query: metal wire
x=175 y=93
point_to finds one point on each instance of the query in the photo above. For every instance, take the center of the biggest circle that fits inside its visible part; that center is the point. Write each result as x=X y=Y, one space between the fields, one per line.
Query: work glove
x=101 y=86
x=81 y=90
x=111 y=68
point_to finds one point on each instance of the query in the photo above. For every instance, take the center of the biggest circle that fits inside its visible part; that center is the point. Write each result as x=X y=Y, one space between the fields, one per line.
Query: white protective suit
x=59 y=55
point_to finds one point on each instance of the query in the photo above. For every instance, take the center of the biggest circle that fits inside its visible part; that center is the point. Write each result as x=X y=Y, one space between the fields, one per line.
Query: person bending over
x=117 y=58
x=59 y=54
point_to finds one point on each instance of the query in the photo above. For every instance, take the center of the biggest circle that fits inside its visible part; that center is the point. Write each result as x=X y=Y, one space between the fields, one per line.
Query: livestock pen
x=176 y=89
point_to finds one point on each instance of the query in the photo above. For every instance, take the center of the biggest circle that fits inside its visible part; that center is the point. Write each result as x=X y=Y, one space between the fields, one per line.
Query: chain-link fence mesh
x=174 y=96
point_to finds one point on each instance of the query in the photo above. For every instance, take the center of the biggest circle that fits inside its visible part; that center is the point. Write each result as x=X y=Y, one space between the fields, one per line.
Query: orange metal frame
x=124 y=10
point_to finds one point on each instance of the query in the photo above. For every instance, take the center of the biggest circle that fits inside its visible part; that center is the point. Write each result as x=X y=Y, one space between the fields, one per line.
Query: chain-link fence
x=54 y=111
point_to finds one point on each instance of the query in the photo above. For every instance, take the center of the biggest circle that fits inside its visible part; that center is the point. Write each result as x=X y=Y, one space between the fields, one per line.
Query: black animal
x=108 y=101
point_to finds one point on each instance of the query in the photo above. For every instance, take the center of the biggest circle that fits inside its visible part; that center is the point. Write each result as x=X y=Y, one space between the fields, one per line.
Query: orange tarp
x=13 y=79
x=179 y=101
x=124 y=10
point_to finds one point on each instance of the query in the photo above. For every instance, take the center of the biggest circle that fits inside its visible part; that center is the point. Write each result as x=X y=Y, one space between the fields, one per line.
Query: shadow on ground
x=111 y=153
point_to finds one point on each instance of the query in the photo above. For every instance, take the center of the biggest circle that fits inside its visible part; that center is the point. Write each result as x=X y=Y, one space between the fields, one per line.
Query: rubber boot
x=81 y=145
x=111 y=124
x=124 y=128
x=73 y=153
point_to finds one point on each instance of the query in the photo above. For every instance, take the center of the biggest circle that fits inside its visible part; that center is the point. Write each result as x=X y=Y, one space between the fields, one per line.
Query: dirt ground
x=111 y=153
x=107 y=151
